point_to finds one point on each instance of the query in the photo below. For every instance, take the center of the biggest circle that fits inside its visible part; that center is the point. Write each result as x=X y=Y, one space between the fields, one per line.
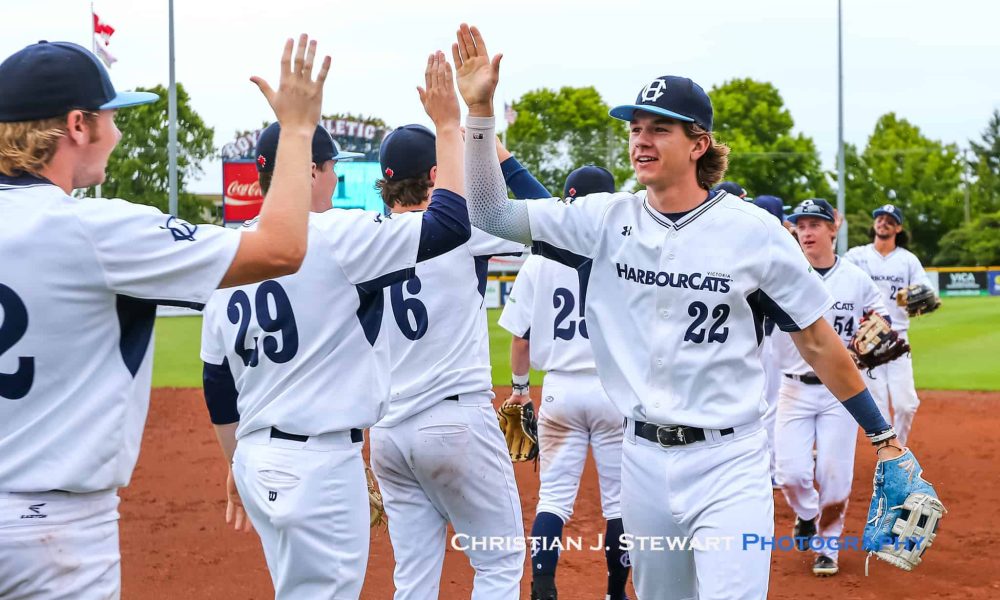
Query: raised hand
x=478 y=74
x=299 y=98
x=439 y=98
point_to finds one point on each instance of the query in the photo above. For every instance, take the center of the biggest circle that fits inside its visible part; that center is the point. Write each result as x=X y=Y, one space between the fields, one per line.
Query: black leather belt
x=672 y=435
x=806 y=379
x=357 y=436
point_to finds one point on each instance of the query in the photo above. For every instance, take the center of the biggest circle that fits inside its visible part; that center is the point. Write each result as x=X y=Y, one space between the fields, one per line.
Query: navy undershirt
x=677 y=216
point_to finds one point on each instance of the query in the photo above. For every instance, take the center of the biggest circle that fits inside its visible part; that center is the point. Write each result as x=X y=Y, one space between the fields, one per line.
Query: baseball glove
x=875 y=343
x=376 y=509
x=520 y=430
x=904 y=513
x=918 y=299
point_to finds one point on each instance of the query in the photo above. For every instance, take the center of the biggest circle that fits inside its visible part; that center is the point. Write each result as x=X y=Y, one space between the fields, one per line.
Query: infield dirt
x=175 y=543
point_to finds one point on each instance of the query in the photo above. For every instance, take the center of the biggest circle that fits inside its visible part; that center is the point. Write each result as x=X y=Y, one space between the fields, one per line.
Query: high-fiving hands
x=298 y=101
x=439 y=98
x=478 y=74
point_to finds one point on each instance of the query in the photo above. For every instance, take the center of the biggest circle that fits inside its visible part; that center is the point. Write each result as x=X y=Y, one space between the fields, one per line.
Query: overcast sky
x=933 y=63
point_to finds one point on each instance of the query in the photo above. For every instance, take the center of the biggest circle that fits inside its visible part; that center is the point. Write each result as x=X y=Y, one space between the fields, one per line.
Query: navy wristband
x=862 y=407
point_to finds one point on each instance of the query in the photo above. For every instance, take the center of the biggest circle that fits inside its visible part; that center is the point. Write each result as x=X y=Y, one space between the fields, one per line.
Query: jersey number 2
x=562 y=299
x=283 y=322
x=16 y=385
x=403 y=308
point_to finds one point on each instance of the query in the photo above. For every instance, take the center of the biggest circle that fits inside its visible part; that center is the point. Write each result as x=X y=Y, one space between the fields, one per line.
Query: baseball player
x=733 y=188
x=544 y=314
x=79 y=283
x=305 y=359
x=679 y=280
x=808 y=414
x=893 y=268
x=772 y=372
x=438 y=453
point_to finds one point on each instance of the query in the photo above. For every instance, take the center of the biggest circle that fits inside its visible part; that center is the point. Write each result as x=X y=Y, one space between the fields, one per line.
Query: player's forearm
x=450 y=158
x=226 y=434
x=520 y=181
x=520 y=350
x=486 y=191
x=278 y=245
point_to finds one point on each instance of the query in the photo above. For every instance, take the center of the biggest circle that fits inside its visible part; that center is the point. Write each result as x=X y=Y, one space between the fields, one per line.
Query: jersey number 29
x=283 y=322
x=16 y=385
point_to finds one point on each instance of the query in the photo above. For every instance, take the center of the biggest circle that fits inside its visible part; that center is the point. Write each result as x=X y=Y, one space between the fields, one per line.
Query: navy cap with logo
x=589 y=179
x=324 y=148
x=889 y=209
x=771 y=204
x=49 y=79
x=814 y=207
x=731 y=187
x=407 y=152
x=670 y=96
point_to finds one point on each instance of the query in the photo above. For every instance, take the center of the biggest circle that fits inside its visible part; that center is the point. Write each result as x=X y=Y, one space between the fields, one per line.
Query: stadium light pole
x=841 y=169
x=172 y=122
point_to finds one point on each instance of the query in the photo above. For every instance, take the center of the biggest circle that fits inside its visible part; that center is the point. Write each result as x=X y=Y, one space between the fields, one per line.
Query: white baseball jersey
x=854 y=293
x=546 y=300
x=305 y=350
x=436 y=329
x=675 y=309
x=897 y=271
x=79 y=282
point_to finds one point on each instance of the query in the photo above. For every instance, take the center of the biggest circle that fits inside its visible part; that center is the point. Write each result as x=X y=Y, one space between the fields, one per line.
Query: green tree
x=557 y=131
x=920 y=175
x=985 y=166
x=137 y=169
x=976 y=243
x=766 y=157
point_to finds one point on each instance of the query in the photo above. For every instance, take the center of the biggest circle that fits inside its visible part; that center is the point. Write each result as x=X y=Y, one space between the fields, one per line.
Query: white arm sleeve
x=485 y=190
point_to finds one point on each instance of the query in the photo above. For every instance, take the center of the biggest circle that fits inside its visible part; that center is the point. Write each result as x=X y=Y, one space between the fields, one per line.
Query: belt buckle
x=670 y=435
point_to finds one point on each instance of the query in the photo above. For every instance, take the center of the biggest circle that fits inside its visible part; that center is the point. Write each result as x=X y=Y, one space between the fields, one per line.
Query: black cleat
x=824 y=566
x=544 y=588
x=803 y=532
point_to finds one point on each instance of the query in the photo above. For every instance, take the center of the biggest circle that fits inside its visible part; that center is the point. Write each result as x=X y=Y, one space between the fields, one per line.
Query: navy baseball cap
x=731 y=187
x=407 y=152
x=49 y=79
x=889 y=209
x=670 y=96
x=589 y=179
x=814 y=207
x=771 y=204
x=324 y=148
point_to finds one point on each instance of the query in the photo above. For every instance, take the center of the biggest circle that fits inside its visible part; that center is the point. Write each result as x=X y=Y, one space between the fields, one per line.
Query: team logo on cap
x=388 y=173
x=572 y=192
x=261 y=161
x=889 y=208
x=653 y=90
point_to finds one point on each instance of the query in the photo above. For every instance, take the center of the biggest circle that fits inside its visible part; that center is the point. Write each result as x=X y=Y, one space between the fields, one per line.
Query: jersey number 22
x=16 y=385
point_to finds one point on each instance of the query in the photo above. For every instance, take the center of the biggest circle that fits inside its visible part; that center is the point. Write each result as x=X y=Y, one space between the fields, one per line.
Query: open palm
x=477 y=73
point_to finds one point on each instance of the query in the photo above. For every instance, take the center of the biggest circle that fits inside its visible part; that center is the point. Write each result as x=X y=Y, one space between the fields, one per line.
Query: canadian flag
x=102 y=38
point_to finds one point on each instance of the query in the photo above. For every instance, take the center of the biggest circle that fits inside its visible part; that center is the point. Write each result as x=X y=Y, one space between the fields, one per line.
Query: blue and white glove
x=904 y=513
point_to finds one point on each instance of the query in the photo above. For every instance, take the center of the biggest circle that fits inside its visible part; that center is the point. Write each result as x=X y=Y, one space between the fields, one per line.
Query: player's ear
x=701 y=145
x=433 y=174
x=79 y=127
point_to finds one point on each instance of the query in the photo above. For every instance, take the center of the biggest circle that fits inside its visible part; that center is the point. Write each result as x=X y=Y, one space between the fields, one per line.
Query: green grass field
x=956 y=348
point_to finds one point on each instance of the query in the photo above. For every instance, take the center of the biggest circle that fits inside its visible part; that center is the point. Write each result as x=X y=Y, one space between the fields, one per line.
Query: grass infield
x=955 y=348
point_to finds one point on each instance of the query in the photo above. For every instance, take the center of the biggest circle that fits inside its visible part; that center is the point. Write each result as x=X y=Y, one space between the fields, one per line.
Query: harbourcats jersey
x=305 y=350
x=79 y=282
x=675 y=310
x=854 y=294
x=899 y=270
x=545 y=306
x=436 y=329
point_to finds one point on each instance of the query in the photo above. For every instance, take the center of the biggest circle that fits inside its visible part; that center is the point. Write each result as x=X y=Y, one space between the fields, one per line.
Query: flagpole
x=93 y=48
x=172 y=118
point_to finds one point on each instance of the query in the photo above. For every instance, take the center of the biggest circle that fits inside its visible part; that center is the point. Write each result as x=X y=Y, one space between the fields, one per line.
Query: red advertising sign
x=241 y=197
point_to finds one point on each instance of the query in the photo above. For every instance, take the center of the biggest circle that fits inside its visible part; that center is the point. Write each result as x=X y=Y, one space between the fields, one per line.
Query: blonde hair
x=713 y=163
x=27 y=146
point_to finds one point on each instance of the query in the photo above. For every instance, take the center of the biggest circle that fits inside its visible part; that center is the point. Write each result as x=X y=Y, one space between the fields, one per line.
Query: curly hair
x=713 y=163
x=27 y=146
x=406 y=192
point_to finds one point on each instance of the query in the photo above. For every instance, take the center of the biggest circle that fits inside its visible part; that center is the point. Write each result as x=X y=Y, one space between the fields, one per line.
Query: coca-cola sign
x=242 y=198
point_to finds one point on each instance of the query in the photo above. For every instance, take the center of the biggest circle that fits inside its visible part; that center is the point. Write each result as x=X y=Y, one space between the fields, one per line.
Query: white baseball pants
x=810 y=415
x=575 y=413
x=308 y=502
x=449 y=464
x=707 y=493
x=772 y=383
x=59 y=546
x=893 y=382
